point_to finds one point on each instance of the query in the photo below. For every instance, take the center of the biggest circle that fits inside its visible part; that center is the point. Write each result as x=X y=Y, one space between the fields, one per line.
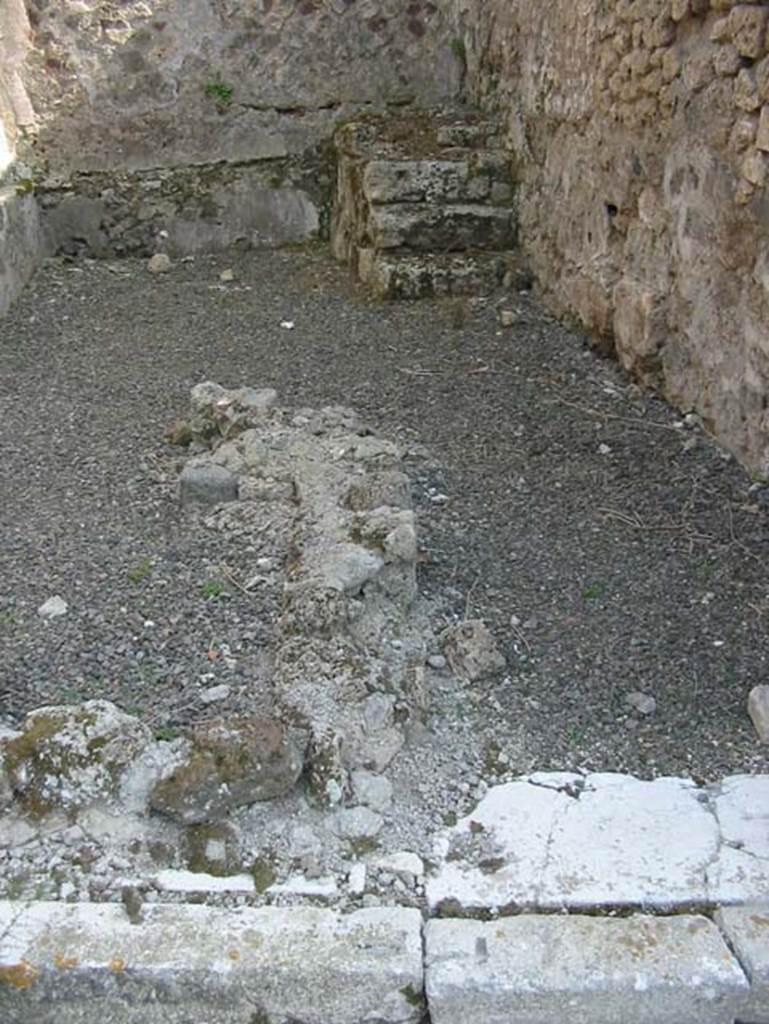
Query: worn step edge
x=409 y=276
x=638 y=970
x=82 y=963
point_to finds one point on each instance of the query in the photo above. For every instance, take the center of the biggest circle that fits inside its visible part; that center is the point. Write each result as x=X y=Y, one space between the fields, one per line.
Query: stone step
x=540 y=969
x=408 y=276
x=420 y=133
x=474 y=177
x=423 y=227
x=84 y=963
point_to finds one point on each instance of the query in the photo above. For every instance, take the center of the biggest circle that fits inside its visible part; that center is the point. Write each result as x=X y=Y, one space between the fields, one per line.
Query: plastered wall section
x=21 y=246
x=144 y=84
x=193 y=125
x=640 y=134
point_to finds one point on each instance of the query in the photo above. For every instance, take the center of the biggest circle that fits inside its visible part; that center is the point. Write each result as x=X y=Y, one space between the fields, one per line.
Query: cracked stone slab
x=82 y=963
x=741 y=871
x=585 y=970
x=559 y=840
x=747 y=931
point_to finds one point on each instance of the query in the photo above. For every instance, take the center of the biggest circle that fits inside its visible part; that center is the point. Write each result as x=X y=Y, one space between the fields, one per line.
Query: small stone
x=643 y=703
x=408 y=867
x=160 y=263
x=356 y=880
x=371 y=790
x=212 y=848
x=437 y=661
x=758 y=709
x=508 y=317
x=604 y=449
x=227 y=275
x=215 y=693
x=207 y=484
x=179 y=433
x=53 y=608
x=471 y=651
x=357 y=823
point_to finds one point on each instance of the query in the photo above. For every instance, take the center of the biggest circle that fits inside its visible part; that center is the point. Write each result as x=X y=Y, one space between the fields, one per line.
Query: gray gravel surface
x=610 y=546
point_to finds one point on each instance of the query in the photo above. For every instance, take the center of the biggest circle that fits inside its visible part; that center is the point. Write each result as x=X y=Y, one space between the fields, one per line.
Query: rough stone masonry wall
x=211 y=119
x=640 y=133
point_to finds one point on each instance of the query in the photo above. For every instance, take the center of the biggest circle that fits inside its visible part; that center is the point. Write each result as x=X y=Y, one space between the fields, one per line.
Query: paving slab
x=740 y=873
x=746 y=929
x=186 y=964
x=558 y=969
x=555 y=840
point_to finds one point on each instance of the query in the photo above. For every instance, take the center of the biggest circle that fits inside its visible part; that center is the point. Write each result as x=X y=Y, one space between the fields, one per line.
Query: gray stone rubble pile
x=349 y=662
x=425 y=204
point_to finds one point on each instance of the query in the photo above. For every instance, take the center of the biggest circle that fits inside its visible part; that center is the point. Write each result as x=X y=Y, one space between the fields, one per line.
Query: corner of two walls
x=193 y=125
x=640 y=131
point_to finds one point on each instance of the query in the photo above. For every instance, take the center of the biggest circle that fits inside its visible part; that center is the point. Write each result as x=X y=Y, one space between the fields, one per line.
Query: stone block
x=740 y=872
x=423 y=227
x=419 y=181
x=21 y=243
x=207 y=484
x=640 y=328
x=560 y=840
x=747 y=931
x=747 y=27
x=762 y=135
x=758 y=709
x=400 y=276
x=76 y=963
x=229 y=763
x=71 y=756
x=581 y=970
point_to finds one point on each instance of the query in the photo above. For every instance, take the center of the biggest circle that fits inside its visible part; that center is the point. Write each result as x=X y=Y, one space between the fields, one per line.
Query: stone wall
x=248 y=88
x=640 y=134
x=20 y=234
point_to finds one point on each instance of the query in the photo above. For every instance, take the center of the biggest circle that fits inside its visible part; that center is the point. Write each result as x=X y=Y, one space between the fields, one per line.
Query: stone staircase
x=424 y=204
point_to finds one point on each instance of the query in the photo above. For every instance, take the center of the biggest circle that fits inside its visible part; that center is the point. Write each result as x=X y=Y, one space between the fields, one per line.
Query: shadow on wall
x=204 y=123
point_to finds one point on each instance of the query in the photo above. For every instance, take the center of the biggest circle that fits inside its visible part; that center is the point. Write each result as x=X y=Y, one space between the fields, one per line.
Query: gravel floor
x=609 y=545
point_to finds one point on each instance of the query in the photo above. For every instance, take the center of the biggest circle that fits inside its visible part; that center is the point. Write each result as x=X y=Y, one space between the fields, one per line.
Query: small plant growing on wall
x=221 y=92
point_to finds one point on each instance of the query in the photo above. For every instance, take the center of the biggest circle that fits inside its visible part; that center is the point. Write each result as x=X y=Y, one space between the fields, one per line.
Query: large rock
x=70 y=964
x=228 y=763
x=71 y=756
x=582 y=970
